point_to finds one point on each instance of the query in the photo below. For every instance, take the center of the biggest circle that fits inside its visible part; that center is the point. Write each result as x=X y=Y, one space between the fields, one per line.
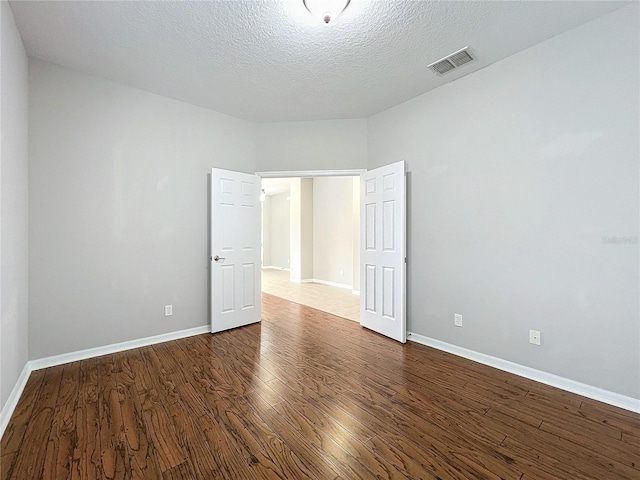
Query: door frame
x=313 y=173
x=334 y=173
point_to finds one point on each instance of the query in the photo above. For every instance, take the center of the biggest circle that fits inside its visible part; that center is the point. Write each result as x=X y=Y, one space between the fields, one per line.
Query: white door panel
x=235 y=249
x=383 y=250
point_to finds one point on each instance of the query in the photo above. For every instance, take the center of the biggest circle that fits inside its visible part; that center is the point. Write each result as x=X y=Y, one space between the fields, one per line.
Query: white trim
x=115 y=347
x=332 y=284
x=312 y=173
x=589 y=391
x=282 y=269
x=323 y=282
x=356 y=292
x=300 y=280
x=14 y=396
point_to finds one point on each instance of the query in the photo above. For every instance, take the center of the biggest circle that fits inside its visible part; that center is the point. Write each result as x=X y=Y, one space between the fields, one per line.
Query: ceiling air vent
x=453 y=61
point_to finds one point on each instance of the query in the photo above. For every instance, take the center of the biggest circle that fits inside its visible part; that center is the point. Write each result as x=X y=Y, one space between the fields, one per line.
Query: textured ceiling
x=269 y=60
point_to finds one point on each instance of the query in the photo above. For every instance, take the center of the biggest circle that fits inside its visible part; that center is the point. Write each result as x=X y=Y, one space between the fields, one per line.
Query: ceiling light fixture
x=326 y=10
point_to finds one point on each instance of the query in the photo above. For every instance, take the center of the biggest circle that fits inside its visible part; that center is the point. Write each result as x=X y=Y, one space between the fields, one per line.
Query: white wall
x=321 y=145
x=306 y=228
x=278 y=239
x=301 y=229
x=333 y=229
x=518 y=175
x=14 y=205
x=119 y=217
x=266 y=231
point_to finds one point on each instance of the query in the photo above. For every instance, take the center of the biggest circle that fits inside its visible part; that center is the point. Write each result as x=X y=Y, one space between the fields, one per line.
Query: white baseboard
x=270 y=267
x=332 y=284
x=356 y=292
x=322 y=282
x=115 y=347
x=300 y=280
x=54 y=360
x=14 y=396
x=595 y=393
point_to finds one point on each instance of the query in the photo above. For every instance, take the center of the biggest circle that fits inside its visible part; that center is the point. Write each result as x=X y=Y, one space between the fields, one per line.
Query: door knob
x=217 y=258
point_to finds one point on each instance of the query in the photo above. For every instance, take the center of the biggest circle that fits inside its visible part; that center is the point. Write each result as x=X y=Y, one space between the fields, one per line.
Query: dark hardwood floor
x=307 y=395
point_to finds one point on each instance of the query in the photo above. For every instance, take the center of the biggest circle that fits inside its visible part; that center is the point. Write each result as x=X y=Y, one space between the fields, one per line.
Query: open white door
x=235 y=249
x=383 y=251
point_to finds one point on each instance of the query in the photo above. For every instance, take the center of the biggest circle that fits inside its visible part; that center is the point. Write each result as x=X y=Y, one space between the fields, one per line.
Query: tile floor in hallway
x=333 y=300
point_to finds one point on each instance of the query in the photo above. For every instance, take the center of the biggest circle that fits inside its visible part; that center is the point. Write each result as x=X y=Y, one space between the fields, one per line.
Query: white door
x=383 y=251
x=235 y=249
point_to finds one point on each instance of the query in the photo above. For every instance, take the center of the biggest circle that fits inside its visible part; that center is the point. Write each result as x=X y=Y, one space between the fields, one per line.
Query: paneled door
x=235 y=249
x=383 y=251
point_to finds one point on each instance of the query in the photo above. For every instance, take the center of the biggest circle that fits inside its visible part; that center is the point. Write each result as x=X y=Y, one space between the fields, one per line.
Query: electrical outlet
x=341 y=273
x=168 y=310
x=534 y=337
x=457 y=320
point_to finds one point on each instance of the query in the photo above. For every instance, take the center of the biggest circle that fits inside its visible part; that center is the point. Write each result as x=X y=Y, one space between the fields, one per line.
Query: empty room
x=496 y=151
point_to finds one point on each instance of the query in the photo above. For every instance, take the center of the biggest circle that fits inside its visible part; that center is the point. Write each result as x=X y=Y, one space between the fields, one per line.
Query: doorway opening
x=235 y=246
x=310 y=246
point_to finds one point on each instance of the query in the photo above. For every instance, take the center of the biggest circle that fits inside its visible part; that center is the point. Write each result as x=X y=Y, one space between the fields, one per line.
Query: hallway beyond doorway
x=336 y=301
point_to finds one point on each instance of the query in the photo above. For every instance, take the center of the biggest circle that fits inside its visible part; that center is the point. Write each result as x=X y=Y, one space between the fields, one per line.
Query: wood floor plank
x=58 y=462
x=144 y=381
x=624 y=419
x=185 y=366
x=231 y=463
x=140 y=446
x=344 y=454
x=87 y=451
x=264 y=468
x=179 y=472
x=114 y=457
x=320 y=465
x=197 y=449
x=334 y=421
x=411 y=466
x=304 y=394
x=634 y=443
x=202 y=398
x=246 y=367
x=229 y=419
x=619 y=457
x=535 y=463
x=582 y=459
x=29 y=461
x=429 y=393
x=458 y=448
x=161 y=431
x=160 y=373
x=6 y=464
x=275 y=450
x=14 y=432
